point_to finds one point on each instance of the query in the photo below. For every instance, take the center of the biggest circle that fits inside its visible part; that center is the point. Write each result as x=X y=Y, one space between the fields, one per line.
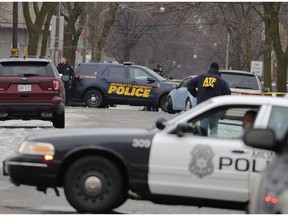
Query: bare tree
x=101 y=17
x=42 y=13
x=74 y=14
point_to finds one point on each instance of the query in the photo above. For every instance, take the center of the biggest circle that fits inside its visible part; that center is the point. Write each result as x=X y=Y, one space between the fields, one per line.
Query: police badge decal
x=201 y=163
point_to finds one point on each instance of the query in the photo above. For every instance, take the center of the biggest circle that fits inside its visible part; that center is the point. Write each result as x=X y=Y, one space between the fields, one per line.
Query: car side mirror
x=260 y=138
x=160 y=123
x=183 y=128
x=150 y=80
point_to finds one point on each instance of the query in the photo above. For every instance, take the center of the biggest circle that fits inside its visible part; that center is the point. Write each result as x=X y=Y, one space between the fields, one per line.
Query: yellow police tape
x=275 y=94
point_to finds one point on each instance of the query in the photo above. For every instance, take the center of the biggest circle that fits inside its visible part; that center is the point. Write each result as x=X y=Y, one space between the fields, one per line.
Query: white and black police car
x=99 y=85
x=177 y=162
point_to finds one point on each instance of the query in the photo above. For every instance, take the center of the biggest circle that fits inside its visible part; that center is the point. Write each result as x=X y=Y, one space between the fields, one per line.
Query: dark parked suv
x=31 y=88
x=102 y=84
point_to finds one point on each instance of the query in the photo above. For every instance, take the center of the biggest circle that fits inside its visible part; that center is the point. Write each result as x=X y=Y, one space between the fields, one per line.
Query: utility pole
x=14 y=49
x=57 y=36
x=227 y=52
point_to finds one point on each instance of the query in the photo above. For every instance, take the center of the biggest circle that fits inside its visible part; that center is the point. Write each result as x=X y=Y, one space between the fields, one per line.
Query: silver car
x=242 y=82
x=180 y=99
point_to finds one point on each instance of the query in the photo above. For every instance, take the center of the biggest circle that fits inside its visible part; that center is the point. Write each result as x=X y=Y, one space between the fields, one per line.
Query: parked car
x=180 y=99
x=100 y=84
x=176 y=163
x=31 y=88
x=269 y=193
x=242 y=82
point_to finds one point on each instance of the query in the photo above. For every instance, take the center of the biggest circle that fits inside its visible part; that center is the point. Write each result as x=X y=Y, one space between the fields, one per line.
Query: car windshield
x=242 y=81
x=87 y=70
x=157 y=76
x=25 y=69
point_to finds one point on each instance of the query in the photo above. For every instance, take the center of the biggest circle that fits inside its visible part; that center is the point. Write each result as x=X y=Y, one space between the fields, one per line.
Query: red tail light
x=56 y=85
x=271 y=199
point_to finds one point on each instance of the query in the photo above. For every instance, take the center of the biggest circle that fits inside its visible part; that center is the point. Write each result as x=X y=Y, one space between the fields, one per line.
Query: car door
x=180 y=95
x=142 y=85
x=210 y=167
x=114 y=78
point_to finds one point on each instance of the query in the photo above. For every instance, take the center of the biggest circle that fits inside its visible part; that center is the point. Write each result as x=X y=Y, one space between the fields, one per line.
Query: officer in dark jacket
x=206 y=86
x=67 y=76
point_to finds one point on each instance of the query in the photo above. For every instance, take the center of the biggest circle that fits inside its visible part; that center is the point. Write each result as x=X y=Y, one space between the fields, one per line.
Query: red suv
x=31 y=88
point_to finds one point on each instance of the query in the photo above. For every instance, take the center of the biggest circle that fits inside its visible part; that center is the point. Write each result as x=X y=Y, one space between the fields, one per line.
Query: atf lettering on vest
x=130 y=90
x=209 y=82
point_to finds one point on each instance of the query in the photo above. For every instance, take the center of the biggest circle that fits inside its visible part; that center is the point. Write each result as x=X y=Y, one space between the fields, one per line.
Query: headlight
x=36 y=148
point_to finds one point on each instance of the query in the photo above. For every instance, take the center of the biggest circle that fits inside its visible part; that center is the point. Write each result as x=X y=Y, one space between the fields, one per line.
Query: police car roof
x=235 y=71
x=16 y=59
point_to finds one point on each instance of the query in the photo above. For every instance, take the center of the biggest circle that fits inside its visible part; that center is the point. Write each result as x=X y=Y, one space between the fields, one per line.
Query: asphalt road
x=27 y=200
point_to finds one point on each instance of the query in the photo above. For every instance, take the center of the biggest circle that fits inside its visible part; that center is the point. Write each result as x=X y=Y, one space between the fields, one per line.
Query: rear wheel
x=170 y=106
x=59 y=120
x=94 y=185
x=163 y=103
x=94 y=99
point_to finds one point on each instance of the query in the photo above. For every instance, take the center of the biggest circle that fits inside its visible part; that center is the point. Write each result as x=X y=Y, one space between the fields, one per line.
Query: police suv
x=102 y=84
x=177 y=162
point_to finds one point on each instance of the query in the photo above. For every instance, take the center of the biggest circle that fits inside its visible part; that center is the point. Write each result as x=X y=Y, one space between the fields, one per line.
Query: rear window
x=25 y=69
x=243 y=81
x=90 y=70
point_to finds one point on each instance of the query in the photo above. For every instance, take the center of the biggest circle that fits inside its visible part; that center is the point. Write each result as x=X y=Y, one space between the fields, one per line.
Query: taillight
x=271 y=199
x=56 y=85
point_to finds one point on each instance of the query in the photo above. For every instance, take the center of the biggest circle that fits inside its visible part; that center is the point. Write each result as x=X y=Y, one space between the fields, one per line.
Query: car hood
x=88 y=136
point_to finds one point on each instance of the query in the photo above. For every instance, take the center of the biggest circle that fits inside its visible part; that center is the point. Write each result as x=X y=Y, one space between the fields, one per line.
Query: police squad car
x=102 y=84
x=174 y=163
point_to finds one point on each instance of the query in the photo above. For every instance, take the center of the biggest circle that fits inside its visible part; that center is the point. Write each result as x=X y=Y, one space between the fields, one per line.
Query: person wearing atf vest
x=206 y=86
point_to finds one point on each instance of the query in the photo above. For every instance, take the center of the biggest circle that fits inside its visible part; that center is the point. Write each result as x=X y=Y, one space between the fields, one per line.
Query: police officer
x=206 y=86
x=67 y=76
x=159 y=70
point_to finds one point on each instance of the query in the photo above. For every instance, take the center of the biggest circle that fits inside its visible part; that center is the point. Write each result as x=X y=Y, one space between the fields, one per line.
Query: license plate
x=24 y=88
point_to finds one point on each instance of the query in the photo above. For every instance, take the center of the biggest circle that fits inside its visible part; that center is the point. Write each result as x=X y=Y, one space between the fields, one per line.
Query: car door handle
x=239 y=151
x=103 y=79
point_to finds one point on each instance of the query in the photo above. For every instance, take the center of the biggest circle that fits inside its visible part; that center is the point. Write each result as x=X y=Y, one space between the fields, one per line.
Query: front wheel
x=170 y=106
x=94 y=99
x=94 y=185
x=163 y=103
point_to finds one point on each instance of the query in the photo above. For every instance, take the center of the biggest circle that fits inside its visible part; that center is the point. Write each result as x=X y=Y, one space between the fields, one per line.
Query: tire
x=58 y=121
x=102 y=174
x=163 y=103
x=170 y=106
x=94 y=99
x=188 y=104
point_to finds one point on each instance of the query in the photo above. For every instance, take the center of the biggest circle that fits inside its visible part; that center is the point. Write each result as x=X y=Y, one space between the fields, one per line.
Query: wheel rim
x=188 y=105
x=93 y=184
x=94 y=99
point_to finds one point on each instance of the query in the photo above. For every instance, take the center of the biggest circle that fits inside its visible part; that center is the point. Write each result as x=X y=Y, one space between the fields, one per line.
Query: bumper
x=29 y=110
x=30 y=170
